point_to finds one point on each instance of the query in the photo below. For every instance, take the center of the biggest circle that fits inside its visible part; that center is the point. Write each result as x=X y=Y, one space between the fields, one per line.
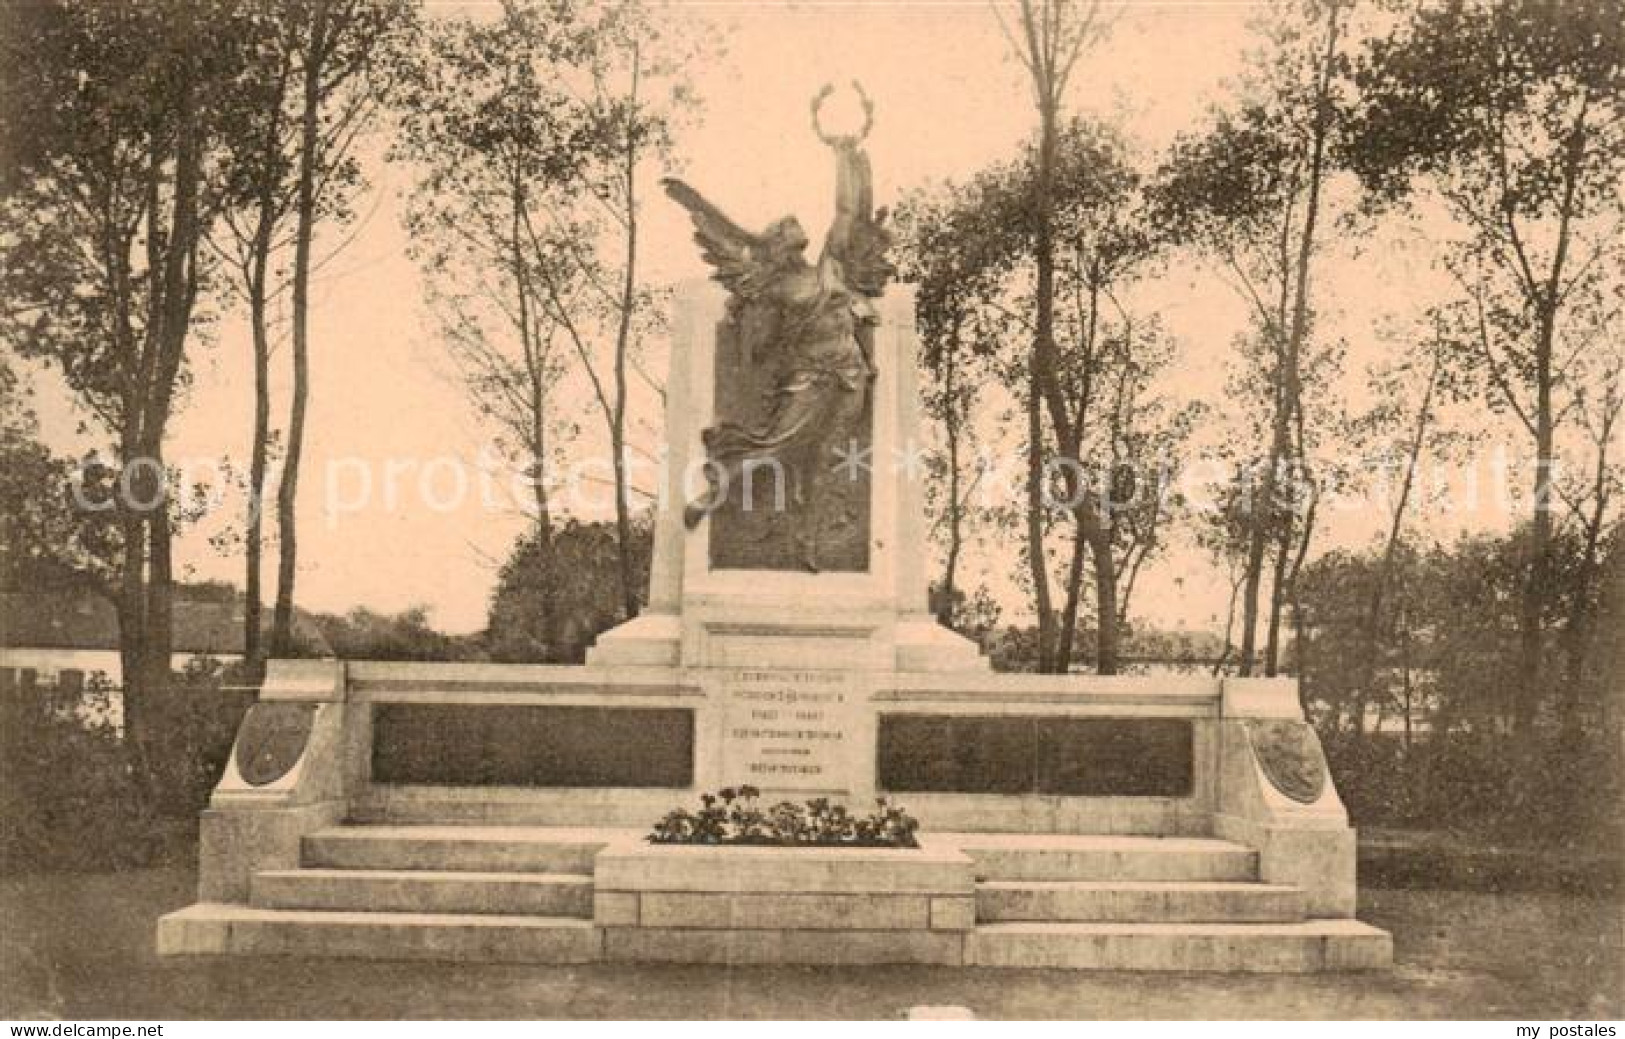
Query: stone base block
x=648 y=640
x=1061 y=857
x=825 y=948
x=830 y=906
x=925 y=645
x=234 y=844
x=821 y=871
x=1320 y=860
x=212 y=930
x=734 y=911
x=1015 y=813
x=479 y=849
x=1310 y=946
x=425 y=891
x=1138 y=901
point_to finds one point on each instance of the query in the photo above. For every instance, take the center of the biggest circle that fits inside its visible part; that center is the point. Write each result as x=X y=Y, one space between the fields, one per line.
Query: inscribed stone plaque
x=789 y=729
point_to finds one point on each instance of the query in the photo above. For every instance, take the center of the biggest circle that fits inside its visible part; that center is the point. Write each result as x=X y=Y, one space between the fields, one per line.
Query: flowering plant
x=733 y=815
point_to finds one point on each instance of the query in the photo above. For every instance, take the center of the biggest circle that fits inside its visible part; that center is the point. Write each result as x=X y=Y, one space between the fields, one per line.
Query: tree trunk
x=1272 y=637
x=617 y=432
x=537 y=402
x=172 y=294
x=1261 y=514
x=1068 y=627
x=132 y=629
x=1536 y=590
x=1087 y=525
x=1229 y=629
x=1582 y=605
x=1396 y=525
x=1037 y=564
x=259 y=263
x=288 y=491
x=1106 y=638
x=160 y=633
x=1405 y=683
x=955 y=517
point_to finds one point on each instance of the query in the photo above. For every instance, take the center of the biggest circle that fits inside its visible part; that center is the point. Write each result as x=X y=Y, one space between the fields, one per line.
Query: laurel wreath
x=868 y=115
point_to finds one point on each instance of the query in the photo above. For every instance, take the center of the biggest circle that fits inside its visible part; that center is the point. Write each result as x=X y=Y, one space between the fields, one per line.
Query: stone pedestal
x=787 y=659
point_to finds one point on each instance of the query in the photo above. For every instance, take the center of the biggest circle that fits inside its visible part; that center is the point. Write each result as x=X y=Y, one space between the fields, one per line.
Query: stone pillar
x=682 y=438
x=654 y=638
x=921 y=643
x=907 y=467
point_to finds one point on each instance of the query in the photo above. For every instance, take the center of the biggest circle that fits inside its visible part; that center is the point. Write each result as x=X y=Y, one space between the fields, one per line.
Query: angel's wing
x=735 y=254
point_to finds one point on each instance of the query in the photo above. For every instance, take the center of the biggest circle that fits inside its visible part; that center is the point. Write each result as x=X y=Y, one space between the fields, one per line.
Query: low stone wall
x=740 y=904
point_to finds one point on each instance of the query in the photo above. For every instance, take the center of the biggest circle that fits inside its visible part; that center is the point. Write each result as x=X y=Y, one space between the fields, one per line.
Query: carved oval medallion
x=272 y=739
x=1289 y=754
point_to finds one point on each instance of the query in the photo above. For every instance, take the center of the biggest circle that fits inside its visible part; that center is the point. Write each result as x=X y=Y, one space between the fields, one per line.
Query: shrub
x=734 y=816
x=69 y=798
x=1469 y=782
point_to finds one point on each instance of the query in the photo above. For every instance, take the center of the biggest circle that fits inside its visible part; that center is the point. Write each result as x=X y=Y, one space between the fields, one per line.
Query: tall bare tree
x=258 y=234
x=533 y=135
x=1049 y=37
x=340 y=47
x=1251 y=192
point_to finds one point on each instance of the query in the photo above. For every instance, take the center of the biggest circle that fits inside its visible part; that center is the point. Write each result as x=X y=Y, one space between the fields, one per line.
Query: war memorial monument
x=486 y=812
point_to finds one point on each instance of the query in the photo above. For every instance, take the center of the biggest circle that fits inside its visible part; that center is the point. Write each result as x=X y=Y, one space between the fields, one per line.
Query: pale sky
x=948 y=102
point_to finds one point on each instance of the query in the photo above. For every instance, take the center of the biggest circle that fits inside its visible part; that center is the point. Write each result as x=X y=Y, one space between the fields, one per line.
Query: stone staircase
x=1147 y=903
x=485 y=894
x=525 y=894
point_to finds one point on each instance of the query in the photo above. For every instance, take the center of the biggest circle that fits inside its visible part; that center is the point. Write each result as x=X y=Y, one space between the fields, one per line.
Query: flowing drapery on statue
x=788 y=455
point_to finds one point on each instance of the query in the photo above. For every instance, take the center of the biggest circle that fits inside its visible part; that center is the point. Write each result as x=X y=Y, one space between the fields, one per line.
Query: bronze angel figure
x=814 y=323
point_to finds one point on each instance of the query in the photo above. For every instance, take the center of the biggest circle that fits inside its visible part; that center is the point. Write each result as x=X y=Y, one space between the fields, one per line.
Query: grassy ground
x=81 y=947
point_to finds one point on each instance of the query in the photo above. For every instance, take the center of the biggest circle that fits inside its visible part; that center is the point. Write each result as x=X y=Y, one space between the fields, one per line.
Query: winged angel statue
x=812 y=325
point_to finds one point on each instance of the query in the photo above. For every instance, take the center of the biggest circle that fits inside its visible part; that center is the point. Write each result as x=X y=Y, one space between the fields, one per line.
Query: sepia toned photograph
x=806 y=510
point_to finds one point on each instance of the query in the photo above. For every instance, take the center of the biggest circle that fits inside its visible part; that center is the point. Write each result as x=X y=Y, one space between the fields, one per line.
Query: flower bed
x=734 y=816
x=821 y=904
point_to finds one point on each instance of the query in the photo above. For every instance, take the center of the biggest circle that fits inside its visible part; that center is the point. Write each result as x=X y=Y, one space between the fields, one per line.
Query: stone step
x=478 y=849
x=211 y=929
x=1138 y=901
x=424 y=891
x=1304 y=947
x=1019 y=856
x=513 y=806
x=801 y=947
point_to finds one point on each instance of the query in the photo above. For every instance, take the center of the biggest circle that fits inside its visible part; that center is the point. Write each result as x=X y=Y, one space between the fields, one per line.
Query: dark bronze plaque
x=1289 y=754
x=271 y=740
x=1081 y=757
x=756 y=528
x=510 y=745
